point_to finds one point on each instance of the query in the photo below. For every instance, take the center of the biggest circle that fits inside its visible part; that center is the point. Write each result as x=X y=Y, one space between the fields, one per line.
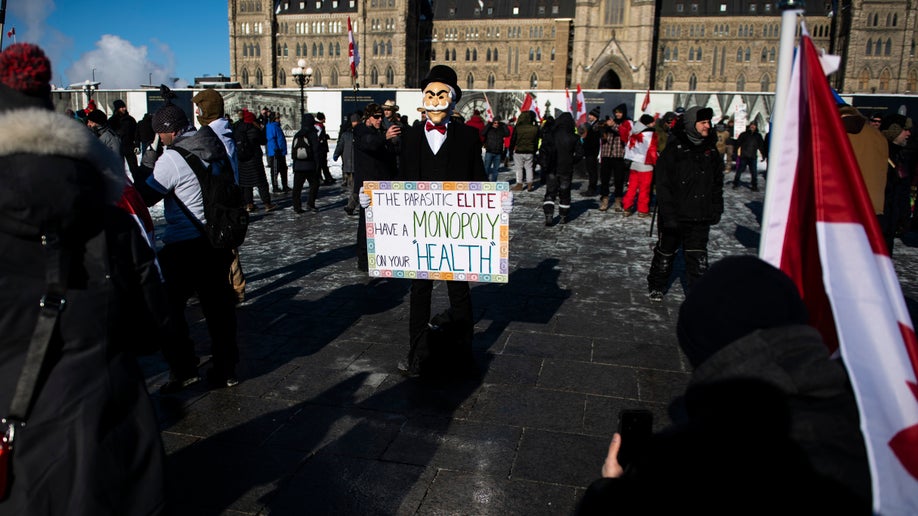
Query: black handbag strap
x=50 y=307
x=199 y=171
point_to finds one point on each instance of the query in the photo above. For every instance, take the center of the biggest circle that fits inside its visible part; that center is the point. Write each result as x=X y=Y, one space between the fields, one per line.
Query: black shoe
x=563 y=219
x=178 y=383
x=588 y=193
x=755 y=188
x=298 y=210
x=328 y=182
x=349 y=211
x=221 y=380
x=735 y=186
x=405 y=370
x=548 y=220
x=656 y=296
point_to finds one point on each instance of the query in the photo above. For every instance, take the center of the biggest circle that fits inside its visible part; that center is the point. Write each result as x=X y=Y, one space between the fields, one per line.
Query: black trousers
x=753 y=169
x=559 y=187
x=693 y=238
x=195 y=267
x=460 y=305
x=592 y=170
x=278 y=166
x=323 y=168
x=299 y=179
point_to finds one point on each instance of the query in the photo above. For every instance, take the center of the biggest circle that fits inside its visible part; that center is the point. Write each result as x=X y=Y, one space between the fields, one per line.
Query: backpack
x=224 y=206
x=302 y=150
x=244 y=149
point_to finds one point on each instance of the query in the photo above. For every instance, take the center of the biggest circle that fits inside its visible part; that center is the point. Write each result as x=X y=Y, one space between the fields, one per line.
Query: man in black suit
x=440 y=150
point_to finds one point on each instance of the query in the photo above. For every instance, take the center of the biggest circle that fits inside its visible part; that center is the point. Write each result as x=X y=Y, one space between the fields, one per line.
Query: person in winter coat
x=91 y=445
x=125 y=126
x=323 y=149
x=689 y=179
x=896 y=208
x=641 y=151
x=277 y=153
x=591 y=133
x=306 y=165
x=249 y=139
x=749 y=145
x=344 y=149
x=98 y=123
x=494 y=134
x=524 y=143
x=478 y=123
x=374 y=160
x=558 y=146
x=613 y=167
x=766 y=411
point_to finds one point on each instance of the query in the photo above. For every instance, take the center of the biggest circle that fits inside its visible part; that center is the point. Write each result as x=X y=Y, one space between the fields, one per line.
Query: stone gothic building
x=719 y=45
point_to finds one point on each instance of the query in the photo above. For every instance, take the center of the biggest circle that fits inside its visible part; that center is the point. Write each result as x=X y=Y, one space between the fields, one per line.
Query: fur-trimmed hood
x=51 y=166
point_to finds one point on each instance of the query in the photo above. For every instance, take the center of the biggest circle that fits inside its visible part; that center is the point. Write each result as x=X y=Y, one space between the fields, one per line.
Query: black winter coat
x=558 y=146
x=374 y=157
x=690 y=180
x=252 y=170
x=307 y=165
x=91 y=446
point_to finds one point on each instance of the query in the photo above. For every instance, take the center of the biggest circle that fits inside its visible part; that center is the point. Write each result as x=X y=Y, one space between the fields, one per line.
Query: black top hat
x=444 y=74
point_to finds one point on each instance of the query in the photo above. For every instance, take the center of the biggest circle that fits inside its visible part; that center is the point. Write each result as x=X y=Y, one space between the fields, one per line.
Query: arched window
x=257 y=49
x=433 y=54
x=389 y=48
x=676 y=54
x=374 y=76
x=245 y=76
x=539 y=54
x=259 y=78
x=552 y=53
x=739 y=56
x=692 y=83
x=468 y=54
x=317 y=77
x=334 y=77
x=911 y=84
x=315 y=50
x=298 y=49
x=895 y=19
x=282 y=77
x=491 y=80
x=488 y=55
x=245 y=51
x=741 y=83
x=390 y=76
x=495 y=54
x=532 y=54
x=375 y=49
x=280 y=50
x=454 y=54
x=669 y=82
x=470 y=81
x=321 y=50
x=666 y=53
x=691 y=54
x=863 y=80
x=885 y=78
x=474 y=54
x=698 y=54
x=869 y=49
x=771 y=55
x=533 y=81
x=748 y=54
x=888 y=50
x=764 y=55
x=765 y=83
x=286 y=51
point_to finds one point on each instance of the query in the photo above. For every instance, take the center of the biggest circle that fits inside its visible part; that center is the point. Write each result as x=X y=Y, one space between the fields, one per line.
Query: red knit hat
x=24 y=67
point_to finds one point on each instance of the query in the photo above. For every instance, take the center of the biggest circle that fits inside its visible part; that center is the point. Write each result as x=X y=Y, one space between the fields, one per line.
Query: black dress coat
x=91 y=445
x=463 y=155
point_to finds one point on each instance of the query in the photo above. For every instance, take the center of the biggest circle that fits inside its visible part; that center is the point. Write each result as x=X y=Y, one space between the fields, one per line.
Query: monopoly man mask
x=438 y=101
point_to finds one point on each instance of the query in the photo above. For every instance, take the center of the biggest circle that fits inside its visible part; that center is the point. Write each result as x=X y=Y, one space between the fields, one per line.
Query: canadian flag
x=646 y=101
x=529 y=105
x=11 y=33
x=567 y=99
x=581 y=114
x=353 y=56
x=819 y=228
x=489 y=113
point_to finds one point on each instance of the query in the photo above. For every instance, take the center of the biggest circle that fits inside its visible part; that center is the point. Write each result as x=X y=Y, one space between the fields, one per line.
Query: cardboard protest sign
x=438 y=230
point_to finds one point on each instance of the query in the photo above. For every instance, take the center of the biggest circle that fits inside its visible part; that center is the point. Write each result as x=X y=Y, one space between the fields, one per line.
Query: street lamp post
x=88 y=88
x=302 y=76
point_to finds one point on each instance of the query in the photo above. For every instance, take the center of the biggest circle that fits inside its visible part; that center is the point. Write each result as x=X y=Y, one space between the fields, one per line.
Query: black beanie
x=98 y=117
x=169 y=119
x=738 y=295
x=118 y=104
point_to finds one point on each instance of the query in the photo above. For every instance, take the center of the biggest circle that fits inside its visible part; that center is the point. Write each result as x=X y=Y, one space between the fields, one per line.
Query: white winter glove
x=506 y=205
x=364 y=200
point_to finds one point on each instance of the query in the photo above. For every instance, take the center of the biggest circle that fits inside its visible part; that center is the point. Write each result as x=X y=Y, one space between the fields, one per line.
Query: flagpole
x=790 y=9
x=2 y=21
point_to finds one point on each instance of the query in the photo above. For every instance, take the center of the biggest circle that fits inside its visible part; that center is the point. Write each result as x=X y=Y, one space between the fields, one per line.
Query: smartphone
x=635 y=426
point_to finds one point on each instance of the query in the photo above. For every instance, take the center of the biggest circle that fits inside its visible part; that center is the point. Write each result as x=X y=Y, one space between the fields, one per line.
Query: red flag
x=489 y=114
x=581 y=115
x=10 y=33
x=567 y=98
x=646 y=101
x=353 y=56
x=819 y=227
x=529 y=105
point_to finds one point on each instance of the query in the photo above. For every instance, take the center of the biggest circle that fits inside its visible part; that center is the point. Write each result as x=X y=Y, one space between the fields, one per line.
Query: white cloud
x=119 y=64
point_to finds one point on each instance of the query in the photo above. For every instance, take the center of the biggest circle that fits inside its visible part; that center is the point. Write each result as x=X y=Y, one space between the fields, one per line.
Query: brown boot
x=529 y=187
x=517 y=187
x=618 y=205
x=604 y=203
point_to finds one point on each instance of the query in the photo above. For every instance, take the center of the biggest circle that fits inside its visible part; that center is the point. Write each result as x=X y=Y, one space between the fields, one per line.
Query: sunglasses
x=375 y=116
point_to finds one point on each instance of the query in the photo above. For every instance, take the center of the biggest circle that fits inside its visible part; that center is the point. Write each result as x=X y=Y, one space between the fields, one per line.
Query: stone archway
x=610 y=81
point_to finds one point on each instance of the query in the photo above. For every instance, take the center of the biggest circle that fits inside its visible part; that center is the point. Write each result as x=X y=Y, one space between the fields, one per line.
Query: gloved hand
x=364 y=200
x=506 y=205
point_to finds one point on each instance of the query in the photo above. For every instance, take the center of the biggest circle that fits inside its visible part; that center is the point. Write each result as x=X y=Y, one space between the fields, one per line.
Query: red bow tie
x=433 y=127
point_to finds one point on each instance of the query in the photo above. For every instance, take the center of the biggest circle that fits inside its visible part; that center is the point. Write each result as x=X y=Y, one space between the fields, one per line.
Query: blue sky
x=125 y=41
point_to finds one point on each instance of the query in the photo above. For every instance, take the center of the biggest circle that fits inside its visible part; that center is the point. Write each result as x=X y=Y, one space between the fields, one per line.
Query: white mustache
x=435 y=107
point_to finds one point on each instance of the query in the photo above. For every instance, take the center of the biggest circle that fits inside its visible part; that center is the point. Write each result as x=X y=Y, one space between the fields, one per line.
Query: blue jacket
x=277 y=142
